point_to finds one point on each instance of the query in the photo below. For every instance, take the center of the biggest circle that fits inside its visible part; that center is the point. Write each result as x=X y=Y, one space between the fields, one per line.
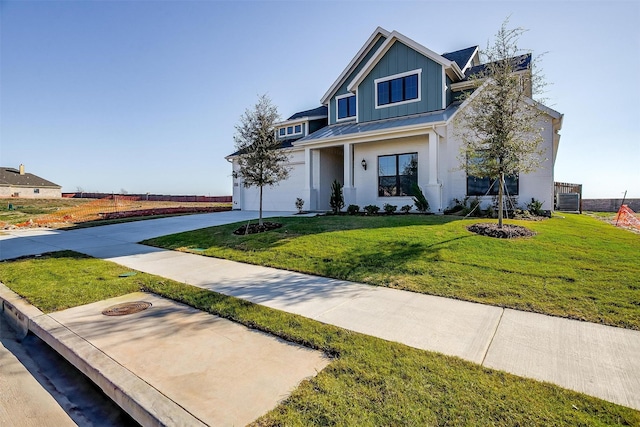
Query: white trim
x=393 y=77
x=395 y=36
x=364 y=50
x=444 y=89
x=344 y=119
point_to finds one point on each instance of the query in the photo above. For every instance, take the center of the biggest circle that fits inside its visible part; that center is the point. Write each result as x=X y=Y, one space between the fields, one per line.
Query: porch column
x=347 y=189
x=434 y=187
x=433 y=158
x=308 y=180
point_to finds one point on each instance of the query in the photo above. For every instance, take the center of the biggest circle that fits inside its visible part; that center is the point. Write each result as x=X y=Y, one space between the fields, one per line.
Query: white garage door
x=281 y=197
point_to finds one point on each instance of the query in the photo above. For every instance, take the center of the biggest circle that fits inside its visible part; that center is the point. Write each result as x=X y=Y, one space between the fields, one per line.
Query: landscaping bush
x=353 y=209
x=336 y=201
x=406 y=208
x=299 y=204
x=422 y=205
x=371 y=209
x=535 y=207
x=388 y=208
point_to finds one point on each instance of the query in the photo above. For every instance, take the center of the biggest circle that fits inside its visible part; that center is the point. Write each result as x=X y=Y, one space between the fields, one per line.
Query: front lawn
x=370 y=382
x=576 y=266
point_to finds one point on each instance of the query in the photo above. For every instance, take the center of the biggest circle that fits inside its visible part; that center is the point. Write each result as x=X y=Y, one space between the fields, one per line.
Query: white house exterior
x=389 y=124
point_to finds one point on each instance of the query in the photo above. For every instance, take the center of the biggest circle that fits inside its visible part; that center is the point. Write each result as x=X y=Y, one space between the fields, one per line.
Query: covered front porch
x=362 y=165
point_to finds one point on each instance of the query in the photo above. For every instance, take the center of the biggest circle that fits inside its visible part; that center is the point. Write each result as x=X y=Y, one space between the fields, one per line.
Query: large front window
x=346 y=107
x=397 y=174
x=483 y=186
x=397 y=89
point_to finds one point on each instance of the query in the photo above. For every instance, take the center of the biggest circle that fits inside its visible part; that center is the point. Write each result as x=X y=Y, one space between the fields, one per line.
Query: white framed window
x=346 y=107
x=398 y=89
x=288 y=131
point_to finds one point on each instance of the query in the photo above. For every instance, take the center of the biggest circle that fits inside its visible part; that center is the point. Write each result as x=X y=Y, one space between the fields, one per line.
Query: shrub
x=535 y=207
x=422 y=205
x=406 y=208
x=388 y=208
x=299 y=204
x=336 y=201
x=490 y=212
x=353 y=209
x=371 y=209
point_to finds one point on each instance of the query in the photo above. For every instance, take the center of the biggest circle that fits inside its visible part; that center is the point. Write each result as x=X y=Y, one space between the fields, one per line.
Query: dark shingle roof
x=11 y=176
x=519 y=63
x=284 y=143
x=320 y=111
x=343 y=129
x=461 y=57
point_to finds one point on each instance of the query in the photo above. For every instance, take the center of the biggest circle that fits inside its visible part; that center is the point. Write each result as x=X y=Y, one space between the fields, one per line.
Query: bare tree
x=261 y=160
x=499 y=125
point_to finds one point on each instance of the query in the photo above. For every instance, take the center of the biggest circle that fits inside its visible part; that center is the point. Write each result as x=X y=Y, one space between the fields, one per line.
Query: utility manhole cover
x=126 y=308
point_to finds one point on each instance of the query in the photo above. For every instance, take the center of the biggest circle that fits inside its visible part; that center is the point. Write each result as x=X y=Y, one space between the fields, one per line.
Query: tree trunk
x=260 y=218
x=500 y=201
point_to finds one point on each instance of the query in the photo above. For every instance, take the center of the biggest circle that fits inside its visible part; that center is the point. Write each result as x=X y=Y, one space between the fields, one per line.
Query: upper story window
x=398 y=89
x=346 y=106
x=288 y=131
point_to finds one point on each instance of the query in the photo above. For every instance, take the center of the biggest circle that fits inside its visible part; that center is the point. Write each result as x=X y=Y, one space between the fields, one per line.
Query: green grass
x=370 y=381
x=575 y=267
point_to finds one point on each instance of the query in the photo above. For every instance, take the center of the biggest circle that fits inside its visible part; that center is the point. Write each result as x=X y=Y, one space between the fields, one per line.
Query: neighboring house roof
x=321 y=111
x=12 y=177
x=352 y=128
x=449 y=66
x=462 y=57
x=366 y=47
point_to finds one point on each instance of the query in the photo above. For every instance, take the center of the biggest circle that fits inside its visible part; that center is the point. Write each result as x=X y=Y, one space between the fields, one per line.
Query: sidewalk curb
x=140 y=400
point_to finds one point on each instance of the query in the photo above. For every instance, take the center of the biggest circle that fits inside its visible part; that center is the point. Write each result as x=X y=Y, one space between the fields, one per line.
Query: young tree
x=499 y=126
x=261 y=161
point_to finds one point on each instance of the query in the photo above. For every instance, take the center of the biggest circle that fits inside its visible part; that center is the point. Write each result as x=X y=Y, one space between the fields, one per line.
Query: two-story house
x=390 y=124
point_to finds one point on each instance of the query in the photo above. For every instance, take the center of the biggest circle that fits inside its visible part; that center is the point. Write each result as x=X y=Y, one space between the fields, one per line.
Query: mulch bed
x=255 y=228
x=508 y=231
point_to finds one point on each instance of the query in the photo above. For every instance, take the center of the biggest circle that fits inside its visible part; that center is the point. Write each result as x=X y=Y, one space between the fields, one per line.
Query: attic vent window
x=398 y=89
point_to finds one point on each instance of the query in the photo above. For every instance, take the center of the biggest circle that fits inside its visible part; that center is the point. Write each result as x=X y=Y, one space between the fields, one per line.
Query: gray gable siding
x=398 y=59
x=343 y=89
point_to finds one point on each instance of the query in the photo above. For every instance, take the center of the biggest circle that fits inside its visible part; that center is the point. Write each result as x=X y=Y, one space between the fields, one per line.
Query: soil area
x=255 y=228
x=508 y=231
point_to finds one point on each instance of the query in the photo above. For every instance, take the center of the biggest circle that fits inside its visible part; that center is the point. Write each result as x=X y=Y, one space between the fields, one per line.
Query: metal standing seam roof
x=352 y=128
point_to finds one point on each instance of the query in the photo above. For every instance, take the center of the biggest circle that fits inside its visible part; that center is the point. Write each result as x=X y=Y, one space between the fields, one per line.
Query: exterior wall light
x=364 y=164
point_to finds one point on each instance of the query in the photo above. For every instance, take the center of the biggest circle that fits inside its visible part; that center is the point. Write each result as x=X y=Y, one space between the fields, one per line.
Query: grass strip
x=370 y=382
x=575 y=266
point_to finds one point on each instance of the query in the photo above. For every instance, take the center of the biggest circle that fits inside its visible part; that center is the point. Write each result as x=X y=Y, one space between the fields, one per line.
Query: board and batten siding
x=343 y=89
x=399 y=59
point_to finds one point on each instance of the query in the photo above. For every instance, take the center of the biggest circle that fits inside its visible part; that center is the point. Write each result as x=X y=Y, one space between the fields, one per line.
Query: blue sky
x=143 y=96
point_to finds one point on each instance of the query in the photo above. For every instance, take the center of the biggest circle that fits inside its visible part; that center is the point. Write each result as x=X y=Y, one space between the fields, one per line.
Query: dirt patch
x=508 y=231
x=256 y=228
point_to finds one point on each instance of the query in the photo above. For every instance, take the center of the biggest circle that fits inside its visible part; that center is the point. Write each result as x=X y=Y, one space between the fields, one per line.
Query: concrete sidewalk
x=168 y=364
x=594 y=359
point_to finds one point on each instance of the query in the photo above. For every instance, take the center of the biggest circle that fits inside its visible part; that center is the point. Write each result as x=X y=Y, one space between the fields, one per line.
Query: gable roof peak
x=451 y=67
x=378 y=32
